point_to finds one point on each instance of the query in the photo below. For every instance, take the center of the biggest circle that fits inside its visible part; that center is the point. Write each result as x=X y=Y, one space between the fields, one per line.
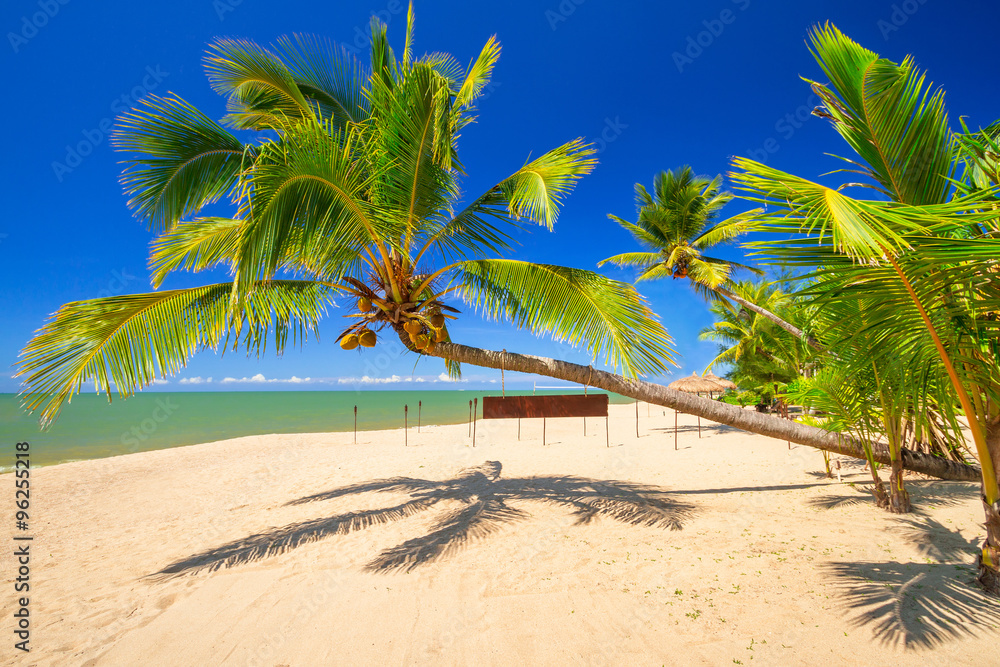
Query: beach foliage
x=907 y=278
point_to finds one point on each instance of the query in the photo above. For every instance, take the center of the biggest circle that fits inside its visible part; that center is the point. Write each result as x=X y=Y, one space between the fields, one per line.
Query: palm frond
x=535 y=191
x=129 y=341
x=185 y=160
x=582 y=307
x=895 y=123
x=194 y=245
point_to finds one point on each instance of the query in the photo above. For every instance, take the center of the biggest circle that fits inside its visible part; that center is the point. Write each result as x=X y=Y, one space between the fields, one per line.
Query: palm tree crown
x=677 y=225
x=348 y=188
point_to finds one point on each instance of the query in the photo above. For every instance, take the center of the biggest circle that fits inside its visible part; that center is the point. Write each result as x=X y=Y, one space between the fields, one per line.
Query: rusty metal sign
x=527 y=407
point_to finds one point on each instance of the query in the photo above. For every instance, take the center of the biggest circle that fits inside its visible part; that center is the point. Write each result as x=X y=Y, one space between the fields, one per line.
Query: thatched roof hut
x=722 y=382
x=694 y=384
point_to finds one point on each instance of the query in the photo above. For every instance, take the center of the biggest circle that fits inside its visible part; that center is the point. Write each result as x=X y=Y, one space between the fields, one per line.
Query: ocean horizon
x=91 y=428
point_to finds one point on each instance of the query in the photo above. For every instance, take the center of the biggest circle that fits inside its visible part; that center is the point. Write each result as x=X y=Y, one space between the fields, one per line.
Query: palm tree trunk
x=764 y=312
x=717 y=411
x=989 y=559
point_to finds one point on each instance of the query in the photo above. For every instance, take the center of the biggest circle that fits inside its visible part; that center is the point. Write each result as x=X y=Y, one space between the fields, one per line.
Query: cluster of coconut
x=423 y=338
x=366 y=338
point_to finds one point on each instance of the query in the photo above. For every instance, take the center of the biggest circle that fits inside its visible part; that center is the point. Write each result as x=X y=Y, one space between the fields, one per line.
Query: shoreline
x=270 y=548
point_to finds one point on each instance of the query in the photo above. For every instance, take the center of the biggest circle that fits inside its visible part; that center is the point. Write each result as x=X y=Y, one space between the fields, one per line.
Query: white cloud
x=195 y=380
x=161 y=381
x=256 y=378
x=369 y=380
x=444 y=377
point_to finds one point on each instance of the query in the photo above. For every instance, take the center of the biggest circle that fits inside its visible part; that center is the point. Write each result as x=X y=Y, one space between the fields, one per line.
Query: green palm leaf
x=888 y=115
x=195 y=246
x=607 y=316
x=129 y=341
x=186 y=159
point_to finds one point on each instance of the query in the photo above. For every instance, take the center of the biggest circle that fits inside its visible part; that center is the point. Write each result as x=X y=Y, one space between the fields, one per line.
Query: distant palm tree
x=487 y=501
x=758 y=351
x=677 y=225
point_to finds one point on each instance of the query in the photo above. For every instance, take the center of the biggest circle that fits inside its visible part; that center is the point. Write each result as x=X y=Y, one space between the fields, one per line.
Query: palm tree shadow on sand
x=917 y=605
x=485 y=508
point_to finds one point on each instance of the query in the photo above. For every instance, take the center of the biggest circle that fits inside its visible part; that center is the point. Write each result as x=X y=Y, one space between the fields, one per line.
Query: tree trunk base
x=989 y=577
x=899 y=499
x=881 y=495
x=989 y=558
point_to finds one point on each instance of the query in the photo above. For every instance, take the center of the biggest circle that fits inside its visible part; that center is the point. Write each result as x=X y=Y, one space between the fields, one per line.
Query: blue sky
x=654 y=85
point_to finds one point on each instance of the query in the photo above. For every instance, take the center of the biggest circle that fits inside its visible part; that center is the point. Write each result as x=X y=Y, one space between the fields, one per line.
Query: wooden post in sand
x=475 y=414
x=470 y=419
x=420 y=409
x=607 y=431
x=544 y=423
x=355 y=424
x=406 y=439
x=675 y=430
x=637 y=419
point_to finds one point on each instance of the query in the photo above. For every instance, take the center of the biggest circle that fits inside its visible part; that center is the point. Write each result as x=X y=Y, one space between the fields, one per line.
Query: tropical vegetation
x=906 y=281
x=344 y=183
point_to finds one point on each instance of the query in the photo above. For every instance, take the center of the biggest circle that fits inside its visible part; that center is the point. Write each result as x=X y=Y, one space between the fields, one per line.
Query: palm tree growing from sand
x=921 y=259
x=677 y=226
x=350 y=190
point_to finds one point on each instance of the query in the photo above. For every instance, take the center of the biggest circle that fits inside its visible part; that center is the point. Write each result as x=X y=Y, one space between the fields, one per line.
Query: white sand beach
x=742 y=552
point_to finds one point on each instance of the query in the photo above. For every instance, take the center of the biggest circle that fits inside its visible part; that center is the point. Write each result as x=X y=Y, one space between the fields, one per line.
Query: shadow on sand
x=924 y=493
x=485 y=506
x=916 y=605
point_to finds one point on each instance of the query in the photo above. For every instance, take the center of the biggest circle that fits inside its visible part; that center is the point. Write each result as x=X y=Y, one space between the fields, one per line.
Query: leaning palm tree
x=677 y=226
x=920 y=258
x=348 y=193
x=350 y=190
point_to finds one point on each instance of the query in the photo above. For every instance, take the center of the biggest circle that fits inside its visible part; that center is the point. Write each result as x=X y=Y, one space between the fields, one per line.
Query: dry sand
x=731 y=550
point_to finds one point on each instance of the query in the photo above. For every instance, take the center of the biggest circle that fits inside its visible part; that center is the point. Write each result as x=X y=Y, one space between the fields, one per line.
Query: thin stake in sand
x=355 y=424
x=406 y=416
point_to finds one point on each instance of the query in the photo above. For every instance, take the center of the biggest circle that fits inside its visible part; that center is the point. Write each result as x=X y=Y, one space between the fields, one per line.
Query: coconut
x=440 y=335
x=364 y=305
x=349 y=342
x=368 y=338
x=413 y=327
x=437 y=320
x=422 y=341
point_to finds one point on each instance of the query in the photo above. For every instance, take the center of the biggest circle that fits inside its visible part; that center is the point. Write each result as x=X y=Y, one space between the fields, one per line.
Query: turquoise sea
x=91 y=428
